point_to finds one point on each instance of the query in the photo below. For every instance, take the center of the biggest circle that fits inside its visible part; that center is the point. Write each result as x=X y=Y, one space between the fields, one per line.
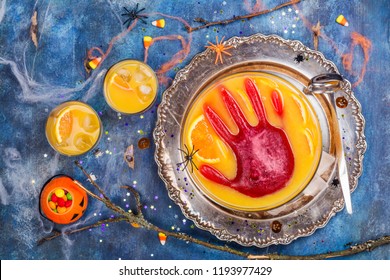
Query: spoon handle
x=341 y=162
x=328 y=84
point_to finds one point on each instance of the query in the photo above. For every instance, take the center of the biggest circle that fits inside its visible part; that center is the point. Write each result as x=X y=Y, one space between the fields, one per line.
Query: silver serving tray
x=321 y=198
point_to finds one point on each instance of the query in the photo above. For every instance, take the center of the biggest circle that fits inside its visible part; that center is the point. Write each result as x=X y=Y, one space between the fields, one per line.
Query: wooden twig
x=137 y=199
x=201 y=20
x=91 y=179
x=138 y=218
x=236 y=18
x=316 y=29
x=367 y=246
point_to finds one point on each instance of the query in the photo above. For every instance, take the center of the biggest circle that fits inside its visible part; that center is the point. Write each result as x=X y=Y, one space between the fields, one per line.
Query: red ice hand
x=265 y=161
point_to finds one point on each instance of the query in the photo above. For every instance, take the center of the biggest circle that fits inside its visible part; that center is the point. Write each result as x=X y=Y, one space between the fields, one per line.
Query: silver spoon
x=328 y=84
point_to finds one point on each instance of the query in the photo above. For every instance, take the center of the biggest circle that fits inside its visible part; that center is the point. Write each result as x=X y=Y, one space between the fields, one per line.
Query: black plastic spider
x=335 y=182
x=133 y=14
x=188 y=158
x=299 y=58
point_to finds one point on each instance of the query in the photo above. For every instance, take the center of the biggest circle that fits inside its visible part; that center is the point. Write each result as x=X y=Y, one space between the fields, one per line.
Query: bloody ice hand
x=265 y=161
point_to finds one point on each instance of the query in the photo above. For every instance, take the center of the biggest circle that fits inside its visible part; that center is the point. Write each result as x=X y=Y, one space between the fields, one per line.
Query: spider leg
x=184 y=152
x=225 y=52
x=188 y=151
x=211 y=45
x=126 y=10
x=192 y=168
x=194 y=152
x=129 y=19
x=216 y=59
x=180 y=163
x=227 y=47
x=192 y=162
x=185 y=166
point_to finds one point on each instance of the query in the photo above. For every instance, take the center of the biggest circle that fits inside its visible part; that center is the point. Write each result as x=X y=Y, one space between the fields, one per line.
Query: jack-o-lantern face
x=341 y=102
x=62 y=200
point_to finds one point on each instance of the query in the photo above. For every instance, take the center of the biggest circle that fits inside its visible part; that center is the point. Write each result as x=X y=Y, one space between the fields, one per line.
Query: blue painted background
x=34 y=80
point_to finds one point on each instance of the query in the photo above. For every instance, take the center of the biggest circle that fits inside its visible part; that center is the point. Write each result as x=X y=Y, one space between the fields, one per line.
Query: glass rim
x=139 y=62
x=93 y=110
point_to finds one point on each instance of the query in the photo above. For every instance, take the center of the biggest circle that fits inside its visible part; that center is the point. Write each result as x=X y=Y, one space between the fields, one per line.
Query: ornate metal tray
x=319 y=201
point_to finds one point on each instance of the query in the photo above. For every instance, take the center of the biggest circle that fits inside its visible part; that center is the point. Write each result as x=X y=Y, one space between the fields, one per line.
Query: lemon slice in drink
x=202 y=137
x=63 y=126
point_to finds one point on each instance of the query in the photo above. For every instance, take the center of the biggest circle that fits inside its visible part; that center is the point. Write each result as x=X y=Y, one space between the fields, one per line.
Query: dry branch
x=138 y=219
x=316 y=29
x=236 y=18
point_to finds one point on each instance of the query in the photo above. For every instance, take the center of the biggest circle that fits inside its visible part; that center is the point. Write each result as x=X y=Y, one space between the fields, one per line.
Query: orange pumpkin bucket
x=62 y=200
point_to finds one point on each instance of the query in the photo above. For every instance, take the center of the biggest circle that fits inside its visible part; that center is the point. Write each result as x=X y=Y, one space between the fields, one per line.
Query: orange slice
x=63 y=127
x=201 y=137
x=120 y=81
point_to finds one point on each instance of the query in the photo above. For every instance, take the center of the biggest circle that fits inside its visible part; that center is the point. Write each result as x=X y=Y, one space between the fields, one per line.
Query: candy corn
x=162 y=237
x=342 y=21
x=159 y=23
x=147 y=41
x=94 y=62
x=135 y=225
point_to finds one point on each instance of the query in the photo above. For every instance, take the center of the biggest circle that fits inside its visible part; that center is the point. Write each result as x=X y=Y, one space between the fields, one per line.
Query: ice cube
x=82 y=141
x=145 y=92
x=145 y=71
x=140 y=77
x=90 y=123
x=124 y=74
x=145 y=89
